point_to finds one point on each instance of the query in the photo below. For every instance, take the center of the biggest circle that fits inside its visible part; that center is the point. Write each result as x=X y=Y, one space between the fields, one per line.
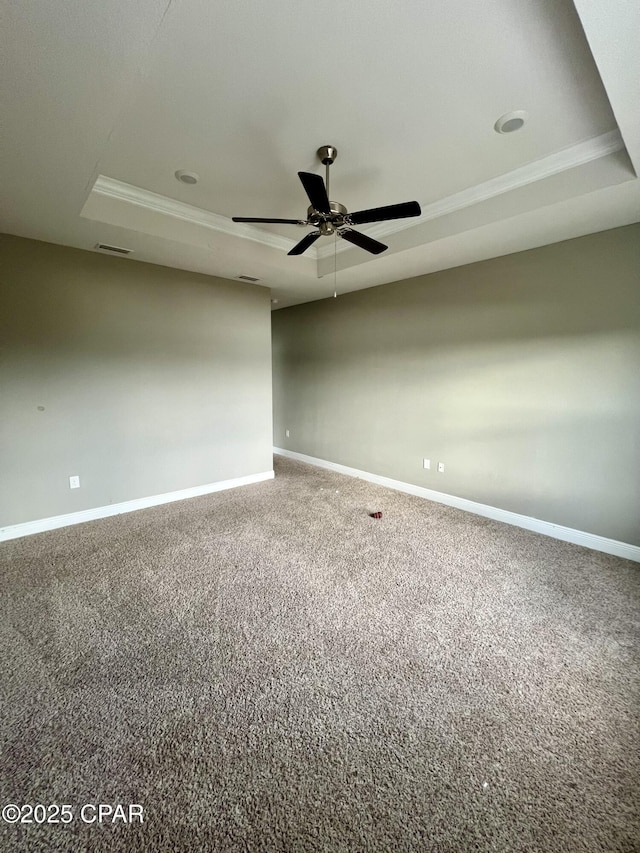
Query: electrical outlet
x=286 y=432
x=74 y=482
x=426 y=463
x=440 y=467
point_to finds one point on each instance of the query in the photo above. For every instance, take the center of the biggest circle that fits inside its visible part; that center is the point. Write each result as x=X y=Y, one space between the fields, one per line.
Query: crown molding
x=112 y=188
x=538 y=170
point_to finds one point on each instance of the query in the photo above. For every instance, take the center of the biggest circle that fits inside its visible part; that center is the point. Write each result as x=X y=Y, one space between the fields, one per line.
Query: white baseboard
x=557 y=531
x=15 y=531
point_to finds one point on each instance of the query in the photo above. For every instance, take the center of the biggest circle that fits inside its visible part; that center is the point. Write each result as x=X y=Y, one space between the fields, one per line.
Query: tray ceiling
x=107 y=101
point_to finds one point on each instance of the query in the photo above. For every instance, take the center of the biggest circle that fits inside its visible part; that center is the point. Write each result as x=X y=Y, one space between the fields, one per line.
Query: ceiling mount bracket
x=327 y=154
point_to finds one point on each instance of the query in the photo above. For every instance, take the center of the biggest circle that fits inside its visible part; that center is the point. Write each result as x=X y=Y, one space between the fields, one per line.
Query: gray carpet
x=270 y=669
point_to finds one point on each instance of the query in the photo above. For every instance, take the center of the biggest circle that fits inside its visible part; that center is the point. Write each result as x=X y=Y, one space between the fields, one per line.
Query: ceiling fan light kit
x=331 y=217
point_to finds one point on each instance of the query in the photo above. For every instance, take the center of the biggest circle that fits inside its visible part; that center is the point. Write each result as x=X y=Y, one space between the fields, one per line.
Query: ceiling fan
x=329 y=217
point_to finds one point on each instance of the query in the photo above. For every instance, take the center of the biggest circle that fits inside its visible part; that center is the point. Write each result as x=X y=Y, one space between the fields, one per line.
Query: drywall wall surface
x=139 y=379
x=521 y=374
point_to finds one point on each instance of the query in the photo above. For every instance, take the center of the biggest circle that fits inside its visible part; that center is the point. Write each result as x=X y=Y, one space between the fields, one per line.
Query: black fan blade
x=381 y=214
x=258 y=219
x=362 y=241
x=303 y=245
x=316 y=190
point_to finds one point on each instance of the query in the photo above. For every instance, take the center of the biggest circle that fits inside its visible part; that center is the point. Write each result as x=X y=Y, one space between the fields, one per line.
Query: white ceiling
x=103 y=102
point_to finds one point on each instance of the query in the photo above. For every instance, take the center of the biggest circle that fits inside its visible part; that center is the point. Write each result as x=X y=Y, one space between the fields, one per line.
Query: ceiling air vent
x=117 y=249
x=247 y=278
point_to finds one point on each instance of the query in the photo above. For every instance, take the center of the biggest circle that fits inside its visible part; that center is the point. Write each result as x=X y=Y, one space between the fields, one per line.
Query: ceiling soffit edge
x=538 y=170
x=568 y=158
x=112 y=188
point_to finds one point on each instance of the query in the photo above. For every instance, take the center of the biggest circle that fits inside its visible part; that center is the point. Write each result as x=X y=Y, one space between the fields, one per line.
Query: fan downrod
x=327 y=155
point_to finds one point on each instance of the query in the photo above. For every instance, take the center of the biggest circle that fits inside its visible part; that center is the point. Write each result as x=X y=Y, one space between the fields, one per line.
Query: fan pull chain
x=335 y=272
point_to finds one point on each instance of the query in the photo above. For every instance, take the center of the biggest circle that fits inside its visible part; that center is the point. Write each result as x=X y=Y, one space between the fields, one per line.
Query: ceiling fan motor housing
x=327 y=225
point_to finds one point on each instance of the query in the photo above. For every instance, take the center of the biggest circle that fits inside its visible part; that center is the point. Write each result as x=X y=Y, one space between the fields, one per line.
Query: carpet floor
x=271 y=669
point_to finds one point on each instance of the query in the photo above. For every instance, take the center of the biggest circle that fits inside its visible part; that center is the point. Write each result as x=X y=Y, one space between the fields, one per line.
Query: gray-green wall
x=140 y=379
x=521 y=374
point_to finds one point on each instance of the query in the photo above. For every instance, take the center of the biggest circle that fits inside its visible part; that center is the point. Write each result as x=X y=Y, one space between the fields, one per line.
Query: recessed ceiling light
x=511 y=121
x=187 y=177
